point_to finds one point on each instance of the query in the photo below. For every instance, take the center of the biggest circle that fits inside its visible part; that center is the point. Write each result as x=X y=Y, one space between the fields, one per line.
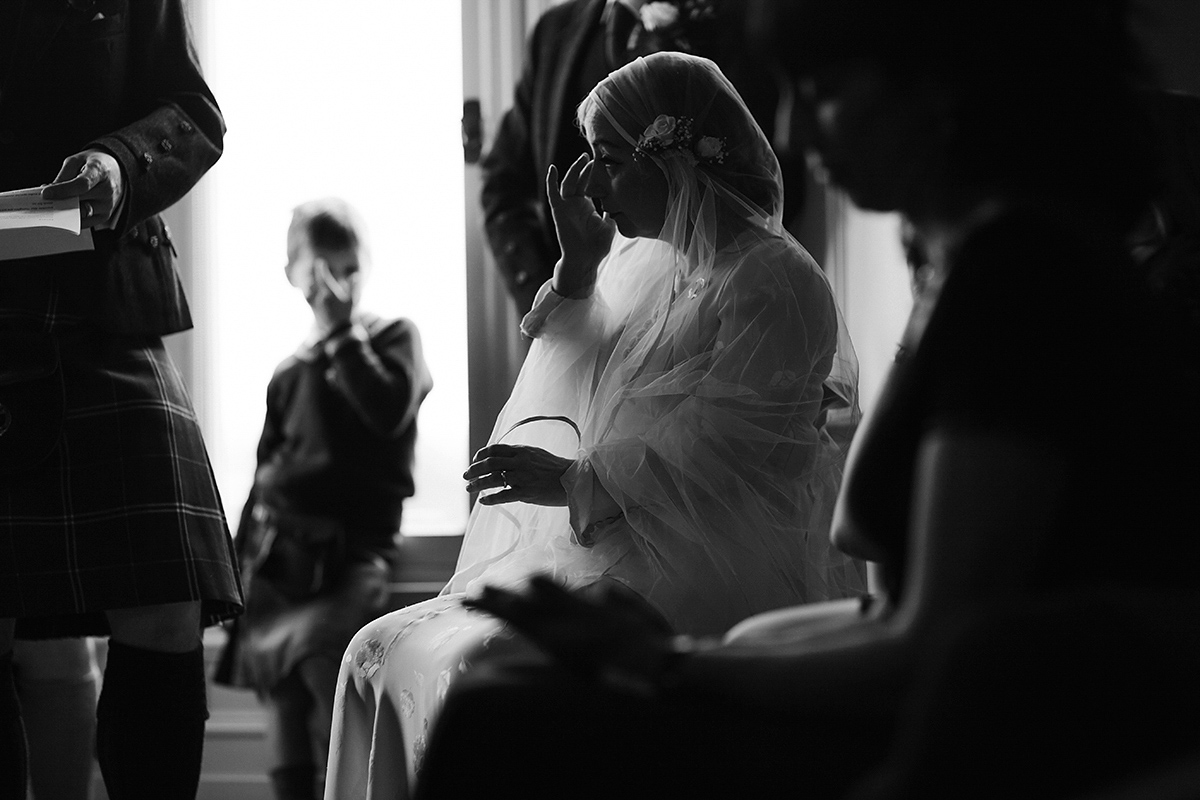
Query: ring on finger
x=504 y=477
x=87 y=209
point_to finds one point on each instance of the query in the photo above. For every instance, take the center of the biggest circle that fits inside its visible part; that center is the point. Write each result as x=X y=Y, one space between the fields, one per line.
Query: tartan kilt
x=124 y=512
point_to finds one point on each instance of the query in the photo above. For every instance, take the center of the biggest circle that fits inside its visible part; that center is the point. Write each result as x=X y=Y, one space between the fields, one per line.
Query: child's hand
x=332 y=302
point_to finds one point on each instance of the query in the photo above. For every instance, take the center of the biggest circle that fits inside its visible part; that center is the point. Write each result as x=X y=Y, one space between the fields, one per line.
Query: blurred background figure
x=573 y=46
x=335 y=464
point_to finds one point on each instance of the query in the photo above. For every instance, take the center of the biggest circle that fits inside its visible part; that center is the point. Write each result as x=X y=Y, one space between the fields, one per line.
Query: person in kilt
x=110 y=520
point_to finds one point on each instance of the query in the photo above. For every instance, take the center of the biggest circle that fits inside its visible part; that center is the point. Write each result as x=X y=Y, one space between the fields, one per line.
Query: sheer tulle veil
x=691 y=388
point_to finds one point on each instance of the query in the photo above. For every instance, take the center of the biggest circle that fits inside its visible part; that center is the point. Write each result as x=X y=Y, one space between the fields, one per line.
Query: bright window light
x=361 y=99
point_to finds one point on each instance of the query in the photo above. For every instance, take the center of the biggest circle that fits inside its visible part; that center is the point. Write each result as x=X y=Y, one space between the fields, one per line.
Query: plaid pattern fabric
x=125 y=511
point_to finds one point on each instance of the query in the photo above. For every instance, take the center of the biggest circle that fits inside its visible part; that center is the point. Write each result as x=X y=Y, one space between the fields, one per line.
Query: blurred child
x=335 y=463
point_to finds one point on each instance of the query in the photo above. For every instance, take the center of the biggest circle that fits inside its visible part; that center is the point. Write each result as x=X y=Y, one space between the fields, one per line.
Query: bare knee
x=72 y=660
x=167 y=628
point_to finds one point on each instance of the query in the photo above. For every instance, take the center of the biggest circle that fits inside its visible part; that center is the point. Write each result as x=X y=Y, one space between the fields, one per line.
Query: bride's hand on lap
x=583 y=235
x=601 y=630
x=523 y=474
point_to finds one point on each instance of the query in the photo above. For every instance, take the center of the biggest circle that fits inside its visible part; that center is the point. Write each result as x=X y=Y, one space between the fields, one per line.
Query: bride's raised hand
x=583 y=235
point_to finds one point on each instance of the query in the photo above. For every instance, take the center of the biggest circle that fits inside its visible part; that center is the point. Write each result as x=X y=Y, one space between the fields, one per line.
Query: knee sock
x=150 y=723
x=13 y=765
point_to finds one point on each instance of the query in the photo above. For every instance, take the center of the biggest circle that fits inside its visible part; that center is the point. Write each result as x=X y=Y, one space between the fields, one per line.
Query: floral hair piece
x=668 y=133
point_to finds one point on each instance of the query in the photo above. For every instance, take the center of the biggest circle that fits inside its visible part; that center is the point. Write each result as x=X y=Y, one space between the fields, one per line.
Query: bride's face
x=631 y=189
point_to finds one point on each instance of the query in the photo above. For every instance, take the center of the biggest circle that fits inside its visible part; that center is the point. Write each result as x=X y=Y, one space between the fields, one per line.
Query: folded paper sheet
x=31 y=226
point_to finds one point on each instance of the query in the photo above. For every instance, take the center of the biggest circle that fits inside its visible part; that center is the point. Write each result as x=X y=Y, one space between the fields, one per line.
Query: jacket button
x=147 y=159
x=166 y=145
x=522 y=278
x=154 y=241
x=185 y=126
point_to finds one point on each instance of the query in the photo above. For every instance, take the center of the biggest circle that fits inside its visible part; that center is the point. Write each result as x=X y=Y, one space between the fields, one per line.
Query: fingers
x=86 y=177
x=553 y=190
x=488 y=465
x=495 y=601
x=497 y=450
x=325 y=279
x=620 y=597
x=77 y=177
x=546 y=588
x=493 y=472
x=72 y=168
x=541 y=597
x=572 y=185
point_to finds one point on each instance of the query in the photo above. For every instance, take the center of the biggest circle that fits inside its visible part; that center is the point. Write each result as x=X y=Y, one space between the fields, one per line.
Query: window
x=362 y=100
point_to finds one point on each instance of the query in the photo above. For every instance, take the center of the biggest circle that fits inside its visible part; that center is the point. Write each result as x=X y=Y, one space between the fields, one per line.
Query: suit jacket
x=120 y=76
x=517 y=217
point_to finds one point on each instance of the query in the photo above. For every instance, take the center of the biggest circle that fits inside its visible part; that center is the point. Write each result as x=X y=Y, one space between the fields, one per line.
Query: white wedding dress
x=691 y=391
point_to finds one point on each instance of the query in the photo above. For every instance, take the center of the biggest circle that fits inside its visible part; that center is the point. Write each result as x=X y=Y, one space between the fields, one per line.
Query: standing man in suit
x=110 y=521
x=574 y=45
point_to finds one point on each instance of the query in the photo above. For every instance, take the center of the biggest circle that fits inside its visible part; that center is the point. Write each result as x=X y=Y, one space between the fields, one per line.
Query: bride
x=667 y=430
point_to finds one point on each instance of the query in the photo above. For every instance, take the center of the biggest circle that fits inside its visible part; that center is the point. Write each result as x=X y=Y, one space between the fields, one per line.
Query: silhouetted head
x=908 y=103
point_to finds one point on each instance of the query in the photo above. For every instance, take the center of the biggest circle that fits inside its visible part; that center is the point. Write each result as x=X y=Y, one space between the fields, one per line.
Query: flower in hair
x=659 y=15
x=662 y=133
x=674 y=134
x=711 y=148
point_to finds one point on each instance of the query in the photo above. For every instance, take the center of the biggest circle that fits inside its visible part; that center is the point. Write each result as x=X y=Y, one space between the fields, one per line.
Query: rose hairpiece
x=664 y=15
x=669 y=133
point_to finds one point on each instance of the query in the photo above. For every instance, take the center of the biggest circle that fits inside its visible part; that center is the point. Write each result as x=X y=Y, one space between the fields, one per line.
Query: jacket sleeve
x=511 y=195
x=176 y=130
x=381 y=373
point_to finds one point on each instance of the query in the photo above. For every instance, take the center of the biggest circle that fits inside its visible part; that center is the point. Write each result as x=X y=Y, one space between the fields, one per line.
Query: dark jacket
x=121 y=76
x=517 y=217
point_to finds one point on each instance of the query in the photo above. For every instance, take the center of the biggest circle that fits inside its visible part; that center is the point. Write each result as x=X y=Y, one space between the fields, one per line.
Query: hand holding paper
x=31 y=225
x=94 y=178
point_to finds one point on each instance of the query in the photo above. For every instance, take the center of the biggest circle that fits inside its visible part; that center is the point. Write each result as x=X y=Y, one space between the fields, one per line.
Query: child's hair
x=329 y=223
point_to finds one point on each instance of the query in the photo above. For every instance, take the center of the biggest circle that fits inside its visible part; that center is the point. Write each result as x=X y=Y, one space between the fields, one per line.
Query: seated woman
x=666 y=433
x=1005 y=463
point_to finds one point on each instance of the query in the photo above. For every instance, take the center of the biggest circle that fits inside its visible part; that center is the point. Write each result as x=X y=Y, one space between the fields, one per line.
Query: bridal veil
x=691 y=388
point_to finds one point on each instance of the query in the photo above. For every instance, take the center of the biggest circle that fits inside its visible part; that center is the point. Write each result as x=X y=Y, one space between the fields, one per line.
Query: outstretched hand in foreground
x=604 y=629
